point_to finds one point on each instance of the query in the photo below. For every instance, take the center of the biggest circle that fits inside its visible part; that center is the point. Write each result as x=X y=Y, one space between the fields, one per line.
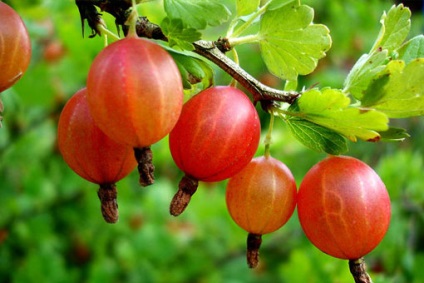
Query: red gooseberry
x=135 y=91
x=216 y=136
x=135 y=95
x=91 y=153
x=343 y=207
x=261 y=198
x=15 y=47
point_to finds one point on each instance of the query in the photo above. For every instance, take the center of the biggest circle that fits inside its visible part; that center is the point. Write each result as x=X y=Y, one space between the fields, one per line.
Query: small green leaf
x=290 y=43
x=246 y=7
x=316 y=137
x=412 y=49
x=394 y=134
x=395 y=27
x=178 y=35
x=193 y=70
x=362 y=73
x=403 y=95
x=330 y=108
x=197 y=13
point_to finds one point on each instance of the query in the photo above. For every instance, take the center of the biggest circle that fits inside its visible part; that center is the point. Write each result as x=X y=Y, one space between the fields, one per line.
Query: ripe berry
x=15 y=47
x=135 y=92
x=91 y=153
x=216 y=136
x=343 y=207
x=260 y=199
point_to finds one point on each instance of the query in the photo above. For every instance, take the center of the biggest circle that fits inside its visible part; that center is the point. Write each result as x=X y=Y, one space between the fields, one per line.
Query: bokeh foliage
x=51 y=229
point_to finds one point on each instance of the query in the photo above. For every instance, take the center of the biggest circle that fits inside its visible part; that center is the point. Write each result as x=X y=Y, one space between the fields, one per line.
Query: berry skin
x=216 y=136
x=135 y=91
x=91 y=153
x=343 y=207
x=261 y=198
x=15 y=47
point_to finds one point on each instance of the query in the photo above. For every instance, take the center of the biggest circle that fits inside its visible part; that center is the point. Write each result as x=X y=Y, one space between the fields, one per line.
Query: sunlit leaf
x=246 y=7
x=275 y=4
x=197 y=13
x=291 y=44
x=317 y=137
x=395 y=26
x=403 y=95
x=331 y=108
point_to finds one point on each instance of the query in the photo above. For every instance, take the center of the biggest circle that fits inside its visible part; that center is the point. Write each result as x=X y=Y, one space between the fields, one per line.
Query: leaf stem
x=268 y=136
x=105 y=31
x=132 y=21
x=248 y=23
x=244 y=39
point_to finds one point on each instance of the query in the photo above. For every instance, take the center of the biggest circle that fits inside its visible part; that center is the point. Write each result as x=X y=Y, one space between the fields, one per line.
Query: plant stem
x=209 y=50
x=268 y=136
x=243 y=39
x=107 y=32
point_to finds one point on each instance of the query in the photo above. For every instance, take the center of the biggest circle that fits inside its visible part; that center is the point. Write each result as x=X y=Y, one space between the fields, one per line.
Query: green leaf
x=178 y=35
x=197 y=13
x=193 y=70
x=362 y=73
x=395 y=27
x=246 y=7
x=316 y=137
x=330 y=108
x=403 y=95
x=412 y=49
x=275 y=4
x=394 y=134
x=290 y=43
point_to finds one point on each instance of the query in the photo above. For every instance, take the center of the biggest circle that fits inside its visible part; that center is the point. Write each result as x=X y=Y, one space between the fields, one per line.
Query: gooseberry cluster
x=134 y=98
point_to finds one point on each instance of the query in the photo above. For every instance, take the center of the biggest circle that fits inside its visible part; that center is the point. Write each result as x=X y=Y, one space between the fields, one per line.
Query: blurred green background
x=51 y=228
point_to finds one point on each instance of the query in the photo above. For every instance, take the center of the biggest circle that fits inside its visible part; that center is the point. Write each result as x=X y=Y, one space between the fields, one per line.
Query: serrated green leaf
x=316 y=137
x=403 y=95
x=412 y=49
x=193 y=70
x=178 y=35
x=394 y=134
x=246 y=7
x=290 y=43
x=330 y=108
x=362 y=73
x=197 y=13
x=275 y=4
x=395 y=26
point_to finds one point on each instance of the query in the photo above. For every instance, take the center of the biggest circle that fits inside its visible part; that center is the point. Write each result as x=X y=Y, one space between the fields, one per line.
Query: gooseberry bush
x=152 y=80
